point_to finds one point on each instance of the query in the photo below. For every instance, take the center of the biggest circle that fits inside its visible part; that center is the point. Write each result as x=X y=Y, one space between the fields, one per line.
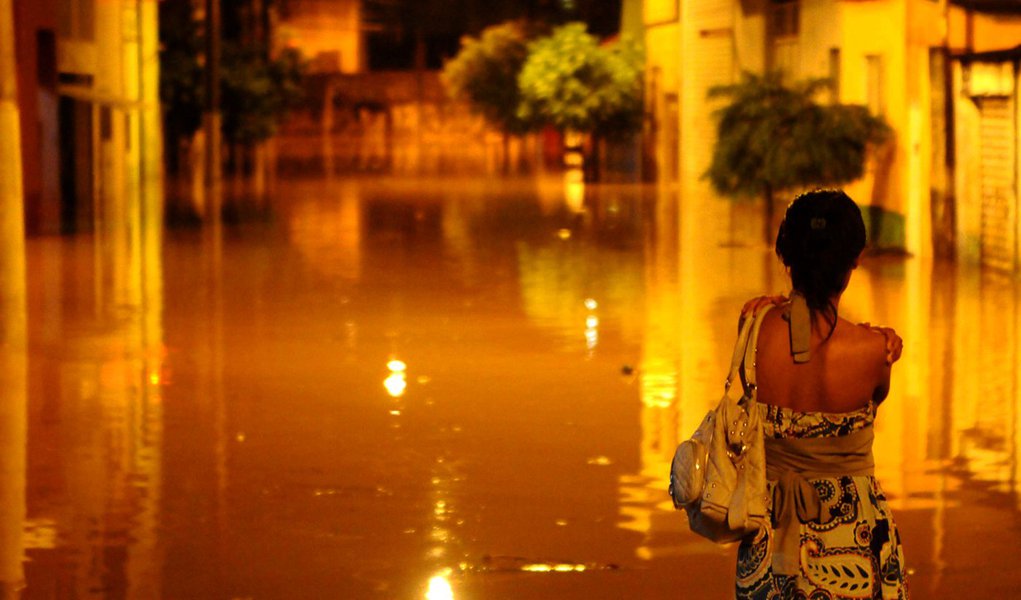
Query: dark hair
x=820 y=238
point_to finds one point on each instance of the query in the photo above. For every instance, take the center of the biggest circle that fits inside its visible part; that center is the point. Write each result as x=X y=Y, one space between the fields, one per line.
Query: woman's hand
x=752 y=306
x=894 y=343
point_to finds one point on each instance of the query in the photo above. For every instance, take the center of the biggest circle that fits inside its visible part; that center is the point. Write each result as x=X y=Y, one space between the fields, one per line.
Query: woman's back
x=846 y=372
x=833 y=534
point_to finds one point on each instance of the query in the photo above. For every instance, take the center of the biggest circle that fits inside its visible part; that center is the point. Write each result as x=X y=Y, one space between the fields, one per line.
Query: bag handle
x=751 y=346
x=739 y=351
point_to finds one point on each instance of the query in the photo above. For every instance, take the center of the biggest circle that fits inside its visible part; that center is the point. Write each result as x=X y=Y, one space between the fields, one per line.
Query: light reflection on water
x=434 y=388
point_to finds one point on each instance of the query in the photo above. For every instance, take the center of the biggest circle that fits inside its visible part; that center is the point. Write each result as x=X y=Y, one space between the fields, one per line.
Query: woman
x=820 y=382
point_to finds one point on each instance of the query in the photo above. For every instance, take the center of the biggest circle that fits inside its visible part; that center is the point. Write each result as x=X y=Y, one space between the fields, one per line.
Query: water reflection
x=13 y=432
x=96 y=374
x=430 y=388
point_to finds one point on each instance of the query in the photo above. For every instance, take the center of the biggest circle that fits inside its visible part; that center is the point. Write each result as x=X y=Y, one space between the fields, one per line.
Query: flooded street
x=457 y=389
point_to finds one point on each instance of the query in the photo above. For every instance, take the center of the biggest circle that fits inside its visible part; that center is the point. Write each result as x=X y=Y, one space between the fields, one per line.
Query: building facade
x=909 y=61
x=328 y=33
x=88 y=93
x=984 y=76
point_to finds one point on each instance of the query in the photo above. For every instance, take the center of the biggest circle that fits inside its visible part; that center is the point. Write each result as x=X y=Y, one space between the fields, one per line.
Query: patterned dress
x=857 y=554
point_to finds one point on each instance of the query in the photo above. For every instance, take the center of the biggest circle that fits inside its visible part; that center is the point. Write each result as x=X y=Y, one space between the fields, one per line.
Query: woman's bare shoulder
x=865 y=342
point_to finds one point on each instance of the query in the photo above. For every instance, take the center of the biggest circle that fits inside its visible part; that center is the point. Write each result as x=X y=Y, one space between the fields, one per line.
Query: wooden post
x=212 y=118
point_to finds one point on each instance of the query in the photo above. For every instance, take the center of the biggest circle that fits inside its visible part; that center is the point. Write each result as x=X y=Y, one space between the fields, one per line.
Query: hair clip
x=817 y=223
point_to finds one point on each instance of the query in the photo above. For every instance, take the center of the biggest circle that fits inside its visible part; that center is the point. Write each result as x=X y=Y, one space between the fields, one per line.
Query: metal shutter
x=997 y=176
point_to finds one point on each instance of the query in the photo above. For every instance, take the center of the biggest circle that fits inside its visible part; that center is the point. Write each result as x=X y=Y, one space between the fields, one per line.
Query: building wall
x=879 y=54
x=663 y=52
x=37 y=98
x=978 y=81
x=987 y=31
x=88 y=79
x=708 y=60
x=327 y=32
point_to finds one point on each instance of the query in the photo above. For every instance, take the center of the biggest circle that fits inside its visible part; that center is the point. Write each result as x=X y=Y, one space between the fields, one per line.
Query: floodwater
x=455 y=389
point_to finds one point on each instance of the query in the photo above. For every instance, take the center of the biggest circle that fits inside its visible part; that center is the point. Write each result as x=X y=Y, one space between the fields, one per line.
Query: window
x=783 y=18
x=874 y=83
x=834 y=74
x=76 y=20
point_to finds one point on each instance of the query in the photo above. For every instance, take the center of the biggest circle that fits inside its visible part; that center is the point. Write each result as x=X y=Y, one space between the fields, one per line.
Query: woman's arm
x=894 y=343
x=890 y=352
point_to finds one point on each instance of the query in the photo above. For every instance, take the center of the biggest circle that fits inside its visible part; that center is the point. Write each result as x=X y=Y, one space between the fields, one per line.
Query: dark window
x=783 y=18
x=46 y=66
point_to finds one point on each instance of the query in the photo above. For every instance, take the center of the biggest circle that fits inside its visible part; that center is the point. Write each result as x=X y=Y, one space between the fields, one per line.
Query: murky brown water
x=455 y=389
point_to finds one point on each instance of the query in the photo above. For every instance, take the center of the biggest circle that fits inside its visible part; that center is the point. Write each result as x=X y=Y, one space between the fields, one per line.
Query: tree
x=258 y=92
x=485 y=74
x=571 y=82
x=772 y=137
x=182 y=88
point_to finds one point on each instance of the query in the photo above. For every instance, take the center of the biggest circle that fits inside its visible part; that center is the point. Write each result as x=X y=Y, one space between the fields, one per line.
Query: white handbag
x=719 y=475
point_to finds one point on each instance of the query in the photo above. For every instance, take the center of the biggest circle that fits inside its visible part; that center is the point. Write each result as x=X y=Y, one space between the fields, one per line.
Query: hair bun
x=821 y=236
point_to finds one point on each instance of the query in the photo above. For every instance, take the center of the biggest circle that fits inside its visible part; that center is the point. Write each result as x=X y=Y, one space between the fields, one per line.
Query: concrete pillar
x=212 y=119
x=13 y=352
x=12 y=213
x=151 y=137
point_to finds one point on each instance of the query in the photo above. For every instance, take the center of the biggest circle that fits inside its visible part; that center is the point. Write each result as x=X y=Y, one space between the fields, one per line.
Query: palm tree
x=772 y=137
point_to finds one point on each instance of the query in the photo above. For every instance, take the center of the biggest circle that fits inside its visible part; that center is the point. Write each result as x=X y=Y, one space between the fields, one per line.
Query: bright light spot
x=601 y=461
x=395 y=413
x=591 y=321
x=561 y=522
x=538 y=568
x=575 y=196
x=240 y=436
x=424 y=379
x=441 y=508
x=591 y=304
x=395 y=384
x=439 y=588
x=558 y=568
x=439 y=534
x=397 y=366
x=154 y=378
x=564 y=234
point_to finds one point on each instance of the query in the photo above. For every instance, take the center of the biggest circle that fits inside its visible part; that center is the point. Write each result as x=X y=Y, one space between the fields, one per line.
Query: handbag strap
x=749 y=360
x=739 y=351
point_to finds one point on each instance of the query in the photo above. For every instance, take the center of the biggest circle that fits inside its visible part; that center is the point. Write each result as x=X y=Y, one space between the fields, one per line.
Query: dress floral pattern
x=856 y=555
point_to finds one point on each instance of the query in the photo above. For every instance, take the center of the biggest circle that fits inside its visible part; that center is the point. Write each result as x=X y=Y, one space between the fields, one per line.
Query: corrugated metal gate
x=997 y=176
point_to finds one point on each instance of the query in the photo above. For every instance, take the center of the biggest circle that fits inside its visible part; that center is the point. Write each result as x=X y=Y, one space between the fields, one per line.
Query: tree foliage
x=182 y=89
x=258 y=92
x=571 y=82
x=773 y=137
x=485 y=74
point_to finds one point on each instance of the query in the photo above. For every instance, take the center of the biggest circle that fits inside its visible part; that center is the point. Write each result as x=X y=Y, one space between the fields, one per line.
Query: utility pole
x=212 y=119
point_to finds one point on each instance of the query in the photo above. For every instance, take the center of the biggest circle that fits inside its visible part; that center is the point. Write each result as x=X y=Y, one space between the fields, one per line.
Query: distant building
x=891 y=55
x=328 y=33
x=984 y=77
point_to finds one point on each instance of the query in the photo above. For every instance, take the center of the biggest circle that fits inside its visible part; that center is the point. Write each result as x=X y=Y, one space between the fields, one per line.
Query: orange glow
x=395 y=384
x=439 y=587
